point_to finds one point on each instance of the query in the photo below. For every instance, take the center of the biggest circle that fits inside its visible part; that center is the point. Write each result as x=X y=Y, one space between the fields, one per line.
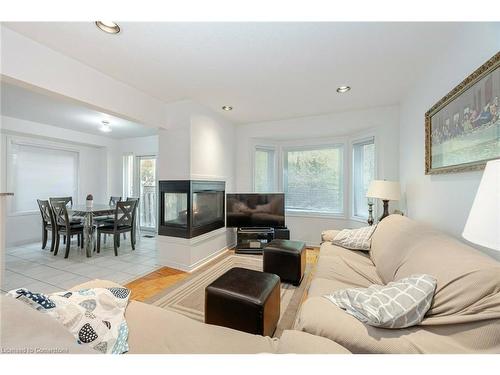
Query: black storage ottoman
x=245 y=300
x=287 y=259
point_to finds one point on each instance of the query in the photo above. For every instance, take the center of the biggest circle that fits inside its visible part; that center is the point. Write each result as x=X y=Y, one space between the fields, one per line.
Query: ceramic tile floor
x=29 y=266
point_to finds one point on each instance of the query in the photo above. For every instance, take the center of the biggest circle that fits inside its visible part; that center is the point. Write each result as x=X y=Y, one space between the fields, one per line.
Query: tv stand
x=251 y=240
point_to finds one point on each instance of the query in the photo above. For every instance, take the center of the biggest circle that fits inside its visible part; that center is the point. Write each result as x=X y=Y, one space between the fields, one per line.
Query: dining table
x=88 y=213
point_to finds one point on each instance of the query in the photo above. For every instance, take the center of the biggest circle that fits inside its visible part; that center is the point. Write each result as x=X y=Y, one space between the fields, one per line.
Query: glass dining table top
x=96 y=208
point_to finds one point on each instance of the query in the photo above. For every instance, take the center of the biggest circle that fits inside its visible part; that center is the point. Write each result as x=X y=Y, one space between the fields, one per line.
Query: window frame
x=261 y=147
x=309 y=146
x=22 y=141
x=360 y=140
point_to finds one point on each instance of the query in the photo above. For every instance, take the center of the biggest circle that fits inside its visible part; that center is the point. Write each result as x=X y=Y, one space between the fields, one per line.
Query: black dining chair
x=134 y=224
x=68 y=201
x=65 y=227
x=107 y=218
x=47 y=223
x=123 y=223
x=114 y=200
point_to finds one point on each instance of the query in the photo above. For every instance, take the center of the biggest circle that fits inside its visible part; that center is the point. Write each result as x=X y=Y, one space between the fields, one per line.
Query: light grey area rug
x=188 y=296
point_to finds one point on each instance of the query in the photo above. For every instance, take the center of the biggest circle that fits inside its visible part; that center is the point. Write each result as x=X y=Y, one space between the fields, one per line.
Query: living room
x=250 y=187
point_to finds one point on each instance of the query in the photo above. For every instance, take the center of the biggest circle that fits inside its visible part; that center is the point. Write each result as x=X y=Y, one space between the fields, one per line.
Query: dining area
x=87 y=222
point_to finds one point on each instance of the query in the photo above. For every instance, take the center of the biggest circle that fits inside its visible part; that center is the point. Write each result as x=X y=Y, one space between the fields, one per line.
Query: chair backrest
x=65 y=200
x=124 y=213
x=114 y=200
x=45 y=211
x=60 y=213
x=136 y=200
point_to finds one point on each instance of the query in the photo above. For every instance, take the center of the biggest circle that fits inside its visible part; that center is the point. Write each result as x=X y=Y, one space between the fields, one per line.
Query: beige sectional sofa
x=152 y=330
x=464 y=316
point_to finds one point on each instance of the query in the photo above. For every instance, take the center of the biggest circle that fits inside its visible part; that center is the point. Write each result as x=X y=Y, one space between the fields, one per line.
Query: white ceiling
x=265 y=71
x=23 y=103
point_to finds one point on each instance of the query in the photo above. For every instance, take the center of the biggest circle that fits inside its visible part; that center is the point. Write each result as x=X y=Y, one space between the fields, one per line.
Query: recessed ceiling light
x=109 y=27
x=343 y=89
x=227 y=108
x=105 y=127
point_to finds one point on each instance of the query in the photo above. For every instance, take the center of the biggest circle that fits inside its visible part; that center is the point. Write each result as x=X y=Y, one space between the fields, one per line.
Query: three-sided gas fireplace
x=190 y=208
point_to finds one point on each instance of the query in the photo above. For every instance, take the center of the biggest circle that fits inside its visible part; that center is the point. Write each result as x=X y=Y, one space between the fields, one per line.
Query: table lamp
x=385 y=190
x=483 y=224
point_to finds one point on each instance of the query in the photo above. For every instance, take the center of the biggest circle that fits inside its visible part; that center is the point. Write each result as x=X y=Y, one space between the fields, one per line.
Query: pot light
x=227 y=108
x=343 y=89
x=109 y=27
x=105 y=128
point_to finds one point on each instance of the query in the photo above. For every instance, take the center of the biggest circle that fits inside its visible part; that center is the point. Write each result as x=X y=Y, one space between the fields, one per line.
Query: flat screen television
x=255 y=210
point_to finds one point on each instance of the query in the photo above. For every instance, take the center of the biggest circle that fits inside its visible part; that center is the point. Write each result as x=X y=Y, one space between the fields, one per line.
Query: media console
x=251 y=240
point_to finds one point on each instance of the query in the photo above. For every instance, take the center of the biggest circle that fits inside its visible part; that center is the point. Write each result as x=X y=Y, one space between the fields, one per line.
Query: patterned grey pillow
x=398 y=304
x=355 y=239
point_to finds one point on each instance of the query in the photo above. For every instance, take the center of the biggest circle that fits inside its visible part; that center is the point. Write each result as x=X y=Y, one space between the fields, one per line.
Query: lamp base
x=386 y=210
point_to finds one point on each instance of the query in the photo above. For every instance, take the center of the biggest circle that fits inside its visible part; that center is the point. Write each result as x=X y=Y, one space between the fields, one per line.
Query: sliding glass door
x=146 y=189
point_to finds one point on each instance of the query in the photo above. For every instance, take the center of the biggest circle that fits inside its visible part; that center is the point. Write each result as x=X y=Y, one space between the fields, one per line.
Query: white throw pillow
x=355 y=239
x=398 y=304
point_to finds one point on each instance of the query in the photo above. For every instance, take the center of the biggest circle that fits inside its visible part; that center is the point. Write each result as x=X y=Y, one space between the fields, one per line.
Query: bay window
x=313 y=179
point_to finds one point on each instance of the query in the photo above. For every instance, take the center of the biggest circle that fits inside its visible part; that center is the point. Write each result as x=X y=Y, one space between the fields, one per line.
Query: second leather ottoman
x=287 y=259
x=245 y=300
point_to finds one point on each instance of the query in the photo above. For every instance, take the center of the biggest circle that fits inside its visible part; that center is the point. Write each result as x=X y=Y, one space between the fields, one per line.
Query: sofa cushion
x=468 y=282
x=352 y=268
x=298 y=342
x=43 y=334
x=320 y=317
x=153 y=330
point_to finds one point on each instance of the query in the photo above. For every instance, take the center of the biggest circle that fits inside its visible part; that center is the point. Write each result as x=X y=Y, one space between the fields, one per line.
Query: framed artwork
x=462 y=130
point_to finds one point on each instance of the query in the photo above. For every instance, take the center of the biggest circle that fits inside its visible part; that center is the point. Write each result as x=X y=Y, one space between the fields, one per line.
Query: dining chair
x=114 y=200
x=68 y=201
x=107 y=218
x=135 y=222
x=65 y=227
x=47 y=223
x=123 y=223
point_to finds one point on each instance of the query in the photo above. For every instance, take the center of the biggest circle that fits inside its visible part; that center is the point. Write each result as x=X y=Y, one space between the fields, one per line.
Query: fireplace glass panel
x=176 y=209
x=208 y=206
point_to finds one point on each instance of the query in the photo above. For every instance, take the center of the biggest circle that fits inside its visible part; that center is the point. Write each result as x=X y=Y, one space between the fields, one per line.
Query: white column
x=3 y=199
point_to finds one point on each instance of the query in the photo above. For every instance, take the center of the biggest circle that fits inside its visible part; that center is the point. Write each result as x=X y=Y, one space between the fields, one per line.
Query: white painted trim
x=192 y=241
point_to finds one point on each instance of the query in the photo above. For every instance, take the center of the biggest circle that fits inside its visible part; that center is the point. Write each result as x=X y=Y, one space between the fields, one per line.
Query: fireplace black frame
x=189 y=187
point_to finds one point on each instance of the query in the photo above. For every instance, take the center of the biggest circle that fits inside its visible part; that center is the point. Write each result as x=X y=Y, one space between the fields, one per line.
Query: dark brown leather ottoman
x=245 y=300
x=287 y=259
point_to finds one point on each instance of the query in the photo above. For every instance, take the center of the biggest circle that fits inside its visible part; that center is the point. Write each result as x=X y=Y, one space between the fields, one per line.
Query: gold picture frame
x=461 y=106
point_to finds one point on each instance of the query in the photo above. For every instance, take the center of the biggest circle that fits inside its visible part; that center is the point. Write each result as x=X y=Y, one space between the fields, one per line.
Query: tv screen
x=255 y=210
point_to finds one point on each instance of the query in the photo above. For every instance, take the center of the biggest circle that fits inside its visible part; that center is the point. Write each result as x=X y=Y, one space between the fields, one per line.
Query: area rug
x=188 y=296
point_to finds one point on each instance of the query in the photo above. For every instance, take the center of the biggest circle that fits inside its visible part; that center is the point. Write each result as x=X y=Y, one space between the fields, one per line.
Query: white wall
x=382 y=122
x=28 y=61
x=137 y=146
x=441 y=200
x=93 y=169
x=198 y=145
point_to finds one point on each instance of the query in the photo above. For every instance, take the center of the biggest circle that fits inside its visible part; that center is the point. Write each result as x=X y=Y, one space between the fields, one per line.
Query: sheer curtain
x=363 y=164
x=40 y=172
x=264 y=173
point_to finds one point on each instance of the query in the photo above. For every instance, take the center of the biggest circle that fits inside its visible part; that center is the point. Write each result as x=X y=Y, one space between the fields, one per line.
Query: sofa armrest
x=97 y=283
x=329 y=235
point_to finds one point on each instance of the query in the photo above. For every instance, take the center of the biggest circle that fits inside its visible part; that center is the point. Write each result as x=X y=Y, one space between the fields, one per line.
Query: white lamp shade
x=483 y=224
x=386 y=190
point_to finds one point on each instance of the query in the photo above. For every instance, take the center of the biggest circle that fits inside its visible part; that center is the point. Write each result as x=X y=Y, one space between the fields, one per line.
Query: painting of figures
x=463 y=129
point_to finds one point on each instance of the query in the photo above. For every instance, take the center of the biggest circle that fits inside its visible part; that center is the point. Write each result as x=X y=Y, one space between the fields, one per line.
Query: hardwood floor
x=153 y=283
